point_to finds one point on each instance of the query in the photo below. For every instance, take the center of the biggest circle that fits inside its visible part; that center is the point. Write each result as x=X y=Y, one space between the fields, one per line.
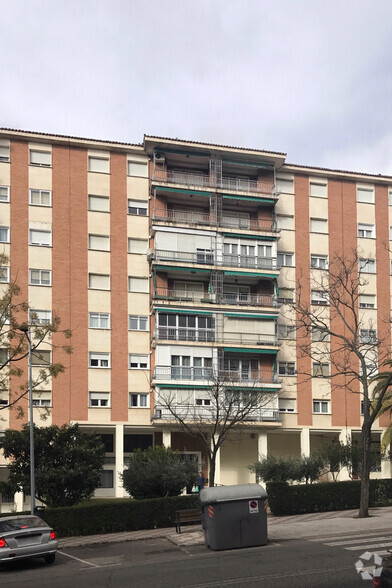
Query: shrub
x=158 y=471
x=116 y=515
x=275 y=469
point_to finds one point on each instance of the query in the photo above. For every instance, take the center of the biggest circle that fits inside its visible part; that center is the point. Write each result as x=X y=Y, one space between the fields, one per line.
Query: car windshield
x=16 y=523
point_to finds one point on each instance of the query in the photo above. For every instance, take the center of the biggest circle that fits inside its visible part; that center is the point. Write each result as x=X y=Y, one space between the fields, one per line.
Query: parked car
x=26 y=536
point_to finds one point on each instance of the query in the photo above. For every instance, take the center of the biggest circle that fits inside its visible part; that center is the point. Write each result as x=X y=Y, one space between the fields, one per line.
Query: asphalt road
x=159 y=563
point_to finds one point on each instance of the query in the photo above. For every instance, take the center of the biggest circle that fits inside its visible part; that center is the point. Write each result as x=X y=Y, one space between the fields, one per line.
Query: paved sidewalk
x=279 y=528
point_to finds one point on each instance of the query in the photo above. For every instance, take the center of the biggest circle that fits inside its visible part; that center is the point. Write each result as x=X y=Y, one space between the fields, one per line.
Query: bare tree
x=228 y=405
x=343 y=343
x=14 y=343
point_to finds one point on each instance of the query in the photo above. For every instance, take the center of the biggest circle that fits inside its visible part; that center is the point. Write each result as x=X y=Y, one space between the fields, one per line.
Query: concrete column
x=119 y=463
x=386 y=464
x=166 y=437
x=19 y=499
x=345 y=436
x=305 y=442
x=262 y=445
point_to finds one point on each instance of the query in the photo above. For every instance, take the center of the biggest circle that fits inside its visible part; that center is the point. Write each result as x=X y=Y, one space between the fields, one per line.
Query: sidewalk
x=279 y=528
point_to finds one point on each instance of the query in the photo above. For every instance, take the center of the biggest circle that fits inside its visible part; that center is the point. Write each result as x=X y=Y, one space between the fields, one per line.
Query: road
x=319 y=561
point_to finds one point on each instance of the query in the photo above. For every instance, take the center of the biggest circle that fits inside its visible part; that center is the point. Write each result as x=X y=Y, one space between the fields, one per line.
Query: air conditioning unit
x=159 y=158
x=150 y=254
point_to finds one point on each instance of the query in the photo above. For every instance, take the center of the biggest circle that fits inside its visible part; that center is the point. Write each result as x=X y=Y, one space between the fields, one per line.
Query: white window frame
x=288 y=299
x=43 y=317
x=39 y=283
x=289 y=368
x=41 y=194
x=318 y=335
x=100 y=317
x=136 y=360
x=4 y=193
x=39 y=243
x=91 y=277
x=366 y=302
x=321 y=369
x=285 y=259
x=366 y=265
x=319 y=184
x=318 y=261
x=286 y=332
x=319 y=297
x=41 y=400
x=318 y=406
x=390 y=197
x=4 y=274
x=91 y=159
x=285 y=185
x=98 y=197
x=290 y=402
x=131 y=288
x=285 y=222
x=140 y=399
x=104 y=238
x=4 y=152
x=319 y=225
x=366 y=231
x=7 y=234
x=368 y=190
x=38 y=354
x=139 y=164
x=368 y=336
x=33 y=152
x=102 y=399
x=136 y=207
x=139 y=319
x=140 y=242
x=99 y=357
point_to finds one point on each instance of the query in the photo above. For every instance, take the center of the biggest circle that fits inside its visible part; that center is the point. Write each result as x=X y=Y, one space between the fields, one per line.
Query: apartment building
x=170 y=260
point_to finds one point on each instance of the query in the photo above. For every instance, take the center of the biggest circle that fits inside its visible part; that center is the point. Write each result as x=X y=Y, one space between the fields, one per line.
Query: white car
x=26 y=536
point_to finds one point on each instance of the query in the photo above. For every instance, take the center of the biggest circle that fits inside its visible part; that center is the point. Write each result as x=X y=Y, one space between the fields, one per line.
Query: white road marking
x=368 y=547
x=363 y=540
x=78 y=559
x=344 y=536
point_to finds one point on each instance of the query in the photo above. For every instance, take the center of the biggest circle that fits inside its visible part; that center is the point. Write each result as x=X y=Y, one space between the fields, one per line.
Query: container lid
x=232 y=493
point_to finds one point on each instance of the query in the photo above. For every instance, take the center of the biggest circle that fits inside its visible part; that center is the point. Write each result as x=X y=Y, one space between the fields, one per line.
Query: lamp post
x=24 y=328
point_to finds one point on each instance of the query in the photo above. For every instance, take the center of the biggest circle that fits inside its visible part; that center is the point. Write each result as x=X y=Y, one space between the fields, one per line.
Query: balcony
x=209 y=335
x=191 y=412
x=204 y=181
x=228 y=377
x=208 y=258
x=187 y=217
x=225 y=298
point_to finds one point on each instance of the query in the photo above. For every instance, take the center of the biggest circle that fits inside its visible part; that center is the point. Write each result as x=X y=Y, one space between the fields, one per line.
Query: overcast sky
x=310 y=78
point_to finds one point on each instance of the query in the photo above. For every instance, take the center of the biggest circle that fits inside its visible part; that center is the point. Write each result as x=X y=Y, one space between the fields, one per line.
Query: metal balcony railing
x=199 y=180
x=225 y=298
x=191 y=412
x=206 y=258
x=248 y=299
x=209 y=335
x=203 y=218
x=225 y=376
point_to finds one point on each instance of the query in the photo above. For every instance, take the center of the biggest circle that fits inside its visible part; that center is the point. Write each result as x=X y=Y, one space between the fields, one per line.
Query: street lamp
x=24 y=328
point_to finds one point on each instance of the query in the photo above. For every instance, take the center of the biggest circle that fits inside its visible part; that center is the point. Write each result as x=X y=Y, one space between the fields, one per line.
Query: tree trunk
x=211 y=477
x=364 y=499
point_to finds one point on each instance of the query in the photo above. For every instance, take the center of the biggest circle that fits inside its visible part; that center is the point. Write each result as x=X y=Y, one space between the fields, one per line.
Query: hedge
x=116 y=515
x=285 y=499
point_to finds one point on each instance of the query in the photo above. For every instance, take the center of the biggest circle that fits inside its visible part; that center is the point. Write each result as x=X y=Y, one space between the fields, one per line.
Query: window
x=4 y=274
x=285 y=222
x=317 y=189
x=186 y=327
x=108 y=441
x=286 y=368
x=99 y=360
x=318 y=225
x=41 y=238
x=285 y=185
x=138 y=362
x=138 y=246
x=286 y=405
x=203 y=402
x=133 y=442
x=4 y=192
x=99 y=203
x=137 y=400
x=206 y=256
x=138 y=168
x=285 y=295
x=99 y=320
x=99 y=281
x=319 y=297
x=286 y=331
x=99 y=399
x=138 y=285
x=390 y=197
x=367 y=301
x=285 y=259
x=40 y=197
x=368 y=336
x=319 y=261
x=367 y=266
x=137 y=207
x=4 y=152
x=366 y=231
x=319 y=334
x=321 y=406
x=40 y=277
x=321 y=370
x=137 y=323
x=42 y=317
x=41 y=399
x=41 y=357
x=42 y=158
x=99 y=242
x=98 y=164
x=365 y=194
x=107 y=479
x=4 y=235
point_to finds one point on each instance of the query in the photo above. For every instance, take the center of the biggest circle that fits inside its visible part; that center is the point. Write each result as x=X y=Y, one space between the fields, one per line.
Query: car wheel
x=49 y=558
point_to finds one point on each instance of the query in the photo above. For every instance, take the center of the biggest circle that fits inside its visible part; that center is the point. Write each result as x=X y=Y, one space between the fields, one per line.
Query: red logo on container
x=211 y=511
